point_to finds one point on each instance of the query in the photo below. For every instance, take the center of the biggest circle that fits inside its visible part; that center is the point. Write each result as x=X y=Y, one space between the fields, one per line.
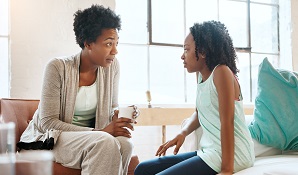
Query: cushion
x=260 y=149
x=273 y=165
x=276 y=108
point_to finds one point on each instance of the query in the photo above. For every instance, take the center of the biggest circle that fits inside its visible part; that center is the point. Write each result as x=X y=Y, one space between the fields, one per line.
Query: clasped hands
x=119 y=126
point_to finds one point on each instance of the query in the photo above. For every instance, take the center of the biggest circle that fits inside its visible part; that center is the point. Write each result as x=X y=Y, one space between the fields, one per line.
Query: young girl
x=226 y=145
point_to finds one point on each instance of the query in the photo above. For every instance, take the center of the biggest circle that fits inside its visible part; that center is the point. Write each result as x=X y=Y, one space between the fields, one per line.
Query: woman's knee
x=126 y=143
x=105 y=141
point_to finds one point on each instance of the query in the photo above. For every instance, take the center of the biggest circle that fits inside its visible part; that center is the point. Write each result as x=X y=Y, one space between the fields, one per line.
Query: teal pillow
x=276 y=108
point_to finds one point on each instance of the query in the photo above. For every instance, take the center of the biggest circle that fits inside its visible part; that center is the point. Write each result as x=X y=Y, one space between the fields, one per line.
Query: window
x=150 y=45
x=4 y=48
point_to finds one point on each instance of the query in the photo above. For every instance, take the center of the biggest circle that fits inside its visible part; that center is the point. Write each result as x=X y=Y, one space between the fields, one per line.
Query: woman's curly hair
x=88 y=24
x=213 y=40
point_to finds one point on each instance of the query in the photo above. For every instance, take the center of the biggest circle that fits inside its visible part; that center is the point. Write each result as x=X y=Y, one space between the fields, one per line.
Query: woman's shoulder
x=62 y=61
x=60 y=64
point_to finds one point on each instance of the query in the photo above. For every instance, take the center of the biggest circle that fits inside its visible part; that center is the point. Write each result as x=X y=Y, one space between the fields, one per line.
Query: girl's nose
x=182 y=56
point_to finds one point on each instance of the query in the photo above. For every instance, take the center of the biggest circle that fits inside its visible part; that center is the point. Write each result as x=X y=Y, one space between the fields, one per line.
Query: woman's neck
x=86 y=65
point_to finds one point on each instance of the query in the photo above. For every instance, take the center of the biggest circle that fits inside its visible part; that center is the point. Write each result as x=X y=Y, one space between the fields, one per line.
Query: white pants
x=95 y=152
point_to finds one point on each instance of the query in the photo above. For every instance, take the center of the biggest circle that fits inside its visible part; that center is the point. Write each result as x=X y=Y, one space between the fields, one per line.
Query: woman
x=79 y=96
x=226 y=145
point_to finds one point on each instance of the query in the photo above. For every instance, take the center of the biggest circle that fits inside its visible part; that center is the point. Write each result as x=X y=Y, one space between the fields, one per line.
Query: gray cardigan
x=59 y=90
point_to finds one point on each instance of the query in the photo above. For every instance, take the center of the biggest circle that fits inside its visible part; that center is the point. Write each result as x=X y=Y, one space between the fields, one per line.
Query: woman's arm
x=50 y=102
x=224 y=83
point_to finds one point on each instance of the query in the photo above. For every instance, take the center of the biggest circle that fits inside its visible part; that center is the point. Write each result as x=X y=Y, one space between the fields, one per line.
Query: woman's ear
x=87 y=45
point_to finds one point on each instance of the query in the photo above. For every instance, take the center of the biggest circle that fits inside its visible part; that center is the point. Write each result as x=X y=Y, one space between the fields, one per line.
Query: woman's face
x=102 y=52
x=190 y=61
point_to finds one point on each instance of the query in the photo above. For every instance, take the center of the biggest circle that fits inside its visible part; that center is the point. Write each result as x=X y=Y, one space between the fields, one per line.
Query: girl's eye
x=109 y=44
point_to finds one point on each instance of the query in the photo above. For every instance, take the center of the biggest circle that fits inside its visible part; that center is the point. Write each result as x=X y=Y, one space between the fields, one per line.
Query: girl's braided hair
x=213 y=40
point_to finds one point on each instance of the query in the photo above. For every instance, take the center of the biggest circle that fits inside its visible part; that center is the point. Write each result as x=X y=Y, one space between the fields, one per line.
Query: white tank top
x=85 y=107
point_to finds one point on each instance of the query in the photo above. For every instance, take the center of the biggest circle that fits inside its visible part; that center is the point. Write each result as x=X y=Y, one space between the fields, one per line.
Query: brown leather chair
x=20 y=111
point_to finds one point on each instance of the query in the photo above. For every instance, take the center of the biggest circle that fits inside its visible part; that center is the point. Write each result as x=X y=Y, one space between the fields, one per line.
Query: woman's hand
x=178 y=141
x=118 y=126
x=222 y=173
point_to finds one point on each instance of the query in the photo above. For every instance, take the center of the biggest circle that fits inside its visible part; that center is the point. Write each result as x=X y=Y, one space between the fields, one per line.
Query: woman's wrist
x=94 y=129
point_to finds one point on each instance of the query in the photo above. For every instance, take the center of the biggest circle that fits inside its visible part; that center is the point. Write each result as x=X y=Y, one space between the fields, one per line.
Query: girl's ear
x=203 y=55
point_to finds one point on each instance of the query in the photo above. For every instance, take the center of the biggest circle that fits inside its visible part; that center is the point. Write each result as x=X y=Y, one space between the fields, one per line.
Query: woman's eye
x=109 y=44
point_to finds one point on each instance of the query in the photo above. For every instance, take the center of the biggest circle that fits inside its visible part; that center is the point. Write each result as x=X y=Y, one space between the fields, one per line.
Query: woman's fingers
x=125 y=122
x=115 y=116
x=122 y=132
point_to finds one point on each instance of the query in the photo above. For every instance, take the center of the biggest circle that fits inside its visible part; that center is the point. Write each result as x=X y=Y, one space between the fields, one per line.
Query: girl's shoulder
x=221 y=74
x=222 y=71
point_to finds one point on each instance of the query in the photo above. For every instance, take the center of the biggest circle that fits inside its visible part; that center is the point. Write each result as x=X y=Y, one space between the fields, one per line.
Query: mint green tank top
x=208 y=113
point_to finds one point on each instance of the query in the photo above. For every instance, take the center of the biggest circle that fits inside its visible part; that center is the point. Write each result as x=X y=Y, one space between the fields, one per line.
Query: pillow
x=260 y=149
x=275 y=115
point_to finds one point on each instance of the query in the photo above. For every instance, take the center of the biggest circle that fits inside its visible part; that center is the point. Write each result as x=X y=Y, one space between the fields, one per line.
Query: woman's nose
x=114 y=51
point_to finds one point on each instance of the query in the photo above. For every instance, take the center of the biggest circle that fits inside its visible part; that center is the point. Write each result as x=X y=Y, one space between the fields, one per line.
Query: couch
x=20 y=111
x=269 y=160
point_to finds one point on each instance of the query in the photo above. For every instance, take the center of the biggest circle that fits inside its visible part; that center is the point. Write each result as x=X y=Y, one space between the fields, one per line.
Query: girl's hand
x=178 y=141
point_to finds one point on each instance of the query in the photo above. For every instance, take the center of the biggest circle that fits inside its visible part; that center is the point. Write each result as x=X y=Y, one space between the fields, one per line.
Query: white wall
x=41 y=30
x=294 y=15
x=285 y=30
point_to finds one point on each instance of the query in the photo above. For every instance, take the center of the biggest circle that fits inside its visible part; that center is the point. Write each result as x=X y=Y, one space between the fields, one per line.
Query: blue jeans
x=180 y=164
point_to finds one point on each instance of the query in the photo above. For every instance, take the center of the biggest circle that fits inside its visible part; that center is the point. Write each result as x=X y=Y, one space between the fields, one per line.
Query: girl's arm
x=224 y=83
x=191 y=125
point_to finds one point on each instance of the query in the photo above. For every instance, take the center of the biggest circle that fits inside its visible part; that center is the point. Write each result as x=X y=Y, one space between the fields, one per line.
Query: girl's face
x=190 y=61
x=102 y=52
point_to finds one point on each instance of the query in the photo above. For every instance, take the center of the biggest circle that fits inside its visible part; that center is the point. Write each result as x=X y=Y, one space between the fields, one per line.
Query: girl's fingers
x=163 y=149
x=159 y=149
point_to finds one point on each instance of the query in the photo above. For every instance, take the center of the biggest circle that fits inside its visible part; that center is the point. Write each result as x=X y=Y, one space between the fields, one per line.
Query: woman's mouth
x=110 y=60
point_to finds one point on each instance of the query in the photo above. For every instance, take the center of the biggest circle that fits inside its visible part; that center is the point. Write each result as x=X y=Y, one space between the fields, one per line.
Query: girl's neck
x=205 y=74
